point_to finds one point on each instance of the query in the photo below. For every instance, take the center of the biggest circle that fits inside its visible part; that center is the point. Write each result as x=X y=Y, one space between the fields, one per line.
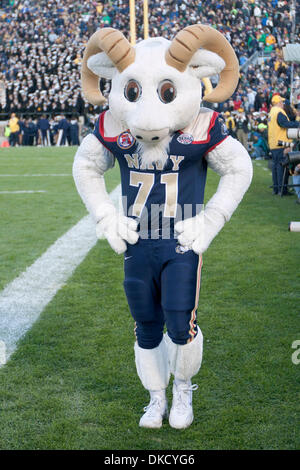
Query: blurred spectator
x=43 y=126
x=63 y=132
x=296 y=181
x=242 y=127
x=230 y=124
x=2 y=92
x=74 y=131
x=14 y=130
x=260 y=145
x=279 y=122
x=29 y=132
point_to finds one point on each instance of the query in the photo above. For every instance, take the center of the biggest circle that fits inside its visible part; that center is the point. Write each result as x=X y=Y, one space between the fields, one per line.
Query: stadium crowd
x=42 y=130
x=41 y=43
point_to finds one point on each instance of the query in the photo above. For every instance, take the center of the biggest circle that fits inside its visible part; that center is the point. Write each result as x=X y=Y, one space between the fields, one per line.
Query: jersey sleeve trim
x=211 y=125
x=101 y=129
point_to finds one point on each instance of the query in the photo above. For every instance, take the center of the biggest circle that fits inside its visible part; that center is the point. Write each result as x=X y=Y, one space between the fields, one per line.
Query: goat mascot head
x=156 y=87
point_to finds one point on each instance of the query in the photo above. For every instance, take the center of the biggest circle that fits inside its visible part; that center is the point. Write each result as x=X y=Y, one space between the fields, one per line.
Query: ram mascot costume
x=164 y=141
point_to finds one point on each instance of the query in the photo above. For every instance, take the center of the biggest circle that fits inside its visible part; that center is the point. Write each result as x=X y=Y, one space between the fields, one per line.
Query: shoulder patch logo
x=224 y=130
x=181 y=249
x=125 y=140
x=185 y=139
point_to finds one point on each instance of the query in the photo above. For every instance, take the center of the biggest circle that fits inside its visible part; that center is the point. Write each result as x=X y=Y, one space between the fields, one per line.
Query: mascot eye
x=166 y=91
x=132 y=91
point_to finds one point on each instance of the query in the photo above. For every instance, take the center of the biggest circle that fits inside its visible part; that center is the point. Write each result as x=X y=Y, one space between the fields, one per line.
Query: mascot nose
x=152 y=136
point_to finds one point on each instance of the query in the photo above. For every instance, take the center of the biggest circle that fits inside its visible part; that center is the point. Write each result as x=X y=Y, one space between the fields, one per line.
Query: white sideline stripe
x=22 y=192
x=264 y=168
x=38 y=174
x=22 y=301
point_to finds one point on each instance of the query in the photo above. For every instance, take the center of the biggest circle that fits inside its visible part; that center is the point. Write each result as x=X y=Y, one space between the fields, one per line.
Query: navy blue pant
x=13 y=138
x=162 y=287
x=45 y=136
x=277 y=171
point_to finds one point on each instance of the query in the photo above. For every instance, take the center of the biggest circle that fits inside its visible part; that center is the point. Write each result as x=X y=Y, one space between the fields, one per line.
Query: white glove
x=198 y=232
x=117 y=229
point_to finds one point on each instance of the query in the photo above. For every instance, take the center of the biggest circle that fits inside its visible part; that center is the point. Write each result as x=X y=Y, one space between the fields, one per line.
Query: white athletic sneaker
x=181 y=414
x=155 y=412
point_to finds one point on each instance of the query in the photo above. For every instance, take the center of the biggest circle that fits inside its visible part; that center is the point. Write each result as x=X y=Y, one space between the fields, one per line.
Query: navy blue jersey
x=43 y=124
x=159 y=197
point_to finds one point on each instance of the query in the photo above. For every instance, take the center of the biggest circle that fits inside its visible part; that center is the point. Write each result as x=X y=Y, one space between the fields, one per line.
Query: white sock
x=183 y=382
x=158 y=393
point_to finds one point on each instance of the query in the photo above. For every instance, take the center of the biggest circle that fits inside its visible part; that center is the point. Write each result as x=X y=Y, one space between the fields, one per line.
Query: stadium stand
x=41 y=45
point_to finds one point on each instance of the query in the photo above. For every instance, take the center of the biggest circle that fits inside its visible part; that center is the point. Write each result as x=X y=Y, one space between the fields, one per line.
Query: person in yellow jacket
x=14 y=130
x=278 y=140
x=230 y=124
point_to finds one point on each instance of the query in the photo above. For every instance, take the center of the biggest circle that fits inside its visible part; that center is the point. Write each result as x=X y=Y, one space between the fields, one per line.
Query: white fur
x=157 y=153
x=152 y=366
x=101 y=65
x=185 y=360
x=198 y=232
x=91 y=161
x=232 y=162
x=93 y=151
x=206 y=63
x=117 y=229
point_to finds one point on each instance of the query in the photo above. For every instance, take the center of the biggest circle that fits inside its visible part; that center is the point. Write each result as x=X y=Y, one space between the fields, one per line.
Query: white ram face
x=151 y=98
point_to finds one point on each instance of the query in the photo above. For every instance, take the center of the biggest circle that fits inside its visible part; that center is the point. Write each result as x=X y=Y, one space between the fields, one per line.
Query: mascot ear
x=182 y=52
x=101 y=65
x=115 y=47
x=205 y=63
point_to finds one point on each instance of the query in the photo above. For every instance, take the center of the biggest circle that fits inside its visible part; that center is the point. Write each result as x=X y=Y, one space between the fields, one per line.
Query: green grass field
x=72 y=383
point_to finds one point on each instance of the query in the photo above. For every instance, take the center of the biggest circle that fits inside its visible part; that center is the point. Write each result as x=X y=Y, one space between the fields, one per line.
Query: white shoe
x=181 y=414
x=156 y=411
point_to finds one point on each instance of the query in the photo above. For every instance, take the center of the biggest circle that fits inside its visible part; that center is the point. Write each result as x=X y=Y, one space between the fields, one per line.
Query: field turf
x=72 y=383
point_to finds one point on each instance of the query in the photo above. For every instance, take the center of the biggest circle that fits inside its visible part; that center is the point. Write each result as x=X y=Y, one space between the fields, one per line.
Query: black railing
x=20 y=115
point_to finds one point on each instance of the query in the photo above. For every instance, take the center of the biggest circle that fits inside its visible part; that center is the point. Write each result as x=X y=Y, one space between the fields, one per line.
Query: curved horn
x=189 y=40
x=121 y=53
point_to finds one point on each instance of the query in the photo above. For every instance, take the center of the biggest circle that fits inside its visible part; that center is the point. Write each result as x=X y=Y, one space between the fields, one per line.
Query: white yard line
x=263 y=167
x=37 y=174
x=23 y=192
x=22 y=301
